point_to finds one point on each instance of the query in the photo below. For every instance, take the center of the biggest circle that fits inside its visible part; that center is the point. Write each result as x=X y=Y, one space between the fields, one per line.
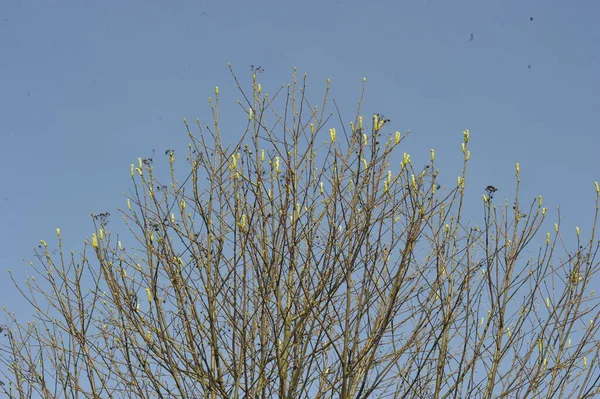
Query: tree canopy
x=311 y=258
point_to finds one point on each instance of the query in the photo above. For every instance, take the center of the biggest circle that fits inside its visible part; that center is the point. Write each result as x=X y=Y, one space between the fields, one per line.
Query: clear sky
x=87 y=87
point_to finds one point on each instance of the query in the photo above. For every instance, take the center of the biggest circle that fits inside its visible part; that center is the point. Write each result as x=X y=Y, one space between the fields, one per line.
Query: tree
x=299 y=262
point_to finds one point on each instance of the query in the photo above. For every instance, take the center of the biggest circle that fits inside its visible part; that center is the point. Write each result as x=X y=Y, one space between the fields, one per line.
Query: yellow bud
x=148 y=335
x=132 y=167
x=259 y=88
x=94 y=241
x=217 y=90
x=540 y=200
x=250 y=114
x=375 y=121
x=397 y=137
x=548 y=302
x=332 y=134
x=577 y=230
x=365 y=163
x=485 y=198
x=149 y=293
x=312 y=128
x=406 y=159
x=544 y=210
x=413 y=181
x=385 y=187
x=43 y=243
x=58 y=232
x=364 y=80
x=463 y=147
x=365 y=139
x=597 y=187
x=182 y=204
x=458 y=181
x=584 y=361
x=140 y=162
x=569 y=343
x=128 y=204
x=547 y=238
x=233 y=162
x=101 y=236
x=468 y=155
x=389 y=178
x=556 y=226
x=360 y=122
x=243 y=222
x=432 y=155
x=518 y=168
x=277 y=165
x=322 y=190
x=262 y=155
x=120 y=245
x=466 y=136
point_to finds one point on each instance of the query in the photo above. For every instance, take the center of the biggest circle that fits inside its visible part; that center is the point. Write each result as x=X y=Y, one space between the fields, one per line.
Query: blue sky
x=88 y=87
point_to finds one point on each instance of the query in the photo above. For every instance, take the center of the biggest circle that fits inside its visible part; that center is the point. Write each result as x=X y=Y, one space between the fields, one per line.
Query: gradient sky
x=87 y=87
